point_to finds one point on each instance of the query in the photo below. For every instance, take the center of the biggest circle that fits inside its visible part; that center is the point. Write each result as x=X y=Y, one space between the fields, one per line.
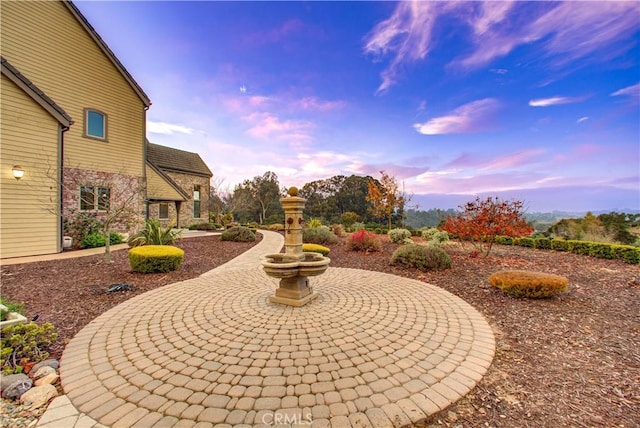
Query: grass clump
x=529 y=284
x=315 y=248
x=362 y=240
x=155 y=258
x=238 y=234
x=319 y=235
x=154 y=234
x=421 y=257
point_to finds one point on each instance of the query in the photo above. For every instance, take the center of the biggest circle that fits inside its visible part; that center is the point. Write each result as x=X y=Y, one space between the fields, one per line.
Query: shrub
x=421 y=257
x=603 y=251
x=580 y=247
x=627 y=253
x=315 y=248
x=429 y=233
x=337 y=230
x=25 y=341
x=542 y=243
x=201 y=226
x=278 y=227
x=238 y=234
x=154 y=234
x=314 y=223
x=96 y=240
x=560 y=245
x=155 y=258
x=319 y=235
x=79 y=226
x=355 y=227
x=349 y=218
x=363 y=241
x=504 y=240
x=525 y=242
x=399 y=236
x=532 y=285
x=439 y=238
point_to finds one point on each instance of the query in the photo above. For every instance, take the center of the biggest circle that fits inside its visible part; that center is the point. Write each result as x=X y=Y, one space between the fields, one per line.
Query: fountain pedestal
x=294 y=266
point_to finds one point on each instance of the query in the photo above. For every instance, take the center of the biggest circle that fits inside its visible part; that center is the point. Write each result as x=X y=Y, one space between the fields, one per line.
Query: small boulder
x=42 y=372
x=39 y=396
x=18 y=387
x=51 y=363
x=49 y=379
x=7 y=380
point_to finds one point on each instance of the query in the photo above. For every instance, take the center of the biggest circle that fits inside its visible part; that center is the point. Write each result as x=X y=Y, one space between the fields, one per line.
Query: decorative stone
x=18 y=386
x=51 y=363
x=41 y=372
x=38 y=396
x=49 y=379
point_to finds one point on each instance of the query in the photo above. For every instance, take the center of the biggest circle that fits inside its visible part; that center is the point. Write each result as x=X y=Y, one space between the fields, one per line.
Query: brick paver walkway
x=373 y=350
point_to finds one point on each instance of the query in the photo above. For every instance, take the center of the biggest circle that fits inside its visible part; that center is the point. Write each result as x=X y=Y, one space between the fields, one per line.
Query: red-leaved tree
x=481 y=220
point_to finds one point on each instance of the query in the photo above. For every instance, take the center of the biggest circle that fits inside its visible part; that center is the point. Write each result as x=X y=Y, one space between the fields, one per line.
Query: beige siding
x=159 y=189
x=29 y=136
x=46 y=43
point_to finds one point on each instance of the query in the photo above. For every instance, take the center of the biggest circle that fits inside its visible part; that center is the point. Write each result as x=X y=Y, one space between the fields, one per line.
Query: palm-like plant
x=154 y=234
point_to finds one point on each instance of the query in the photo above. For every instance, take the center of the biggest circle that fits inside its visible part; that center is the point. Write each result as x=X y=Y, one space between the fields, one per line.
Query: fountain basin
x=290 y=266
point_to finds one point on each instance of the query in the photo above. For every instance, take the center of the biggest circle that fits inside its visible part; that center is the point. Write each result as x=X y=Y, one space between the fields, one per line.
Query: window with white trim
x=95 y=124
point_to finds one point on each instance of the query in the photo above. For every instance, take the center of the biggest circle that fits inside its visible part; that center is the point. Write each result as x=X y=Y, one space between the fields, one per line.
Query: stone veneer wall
x=126 y=191
x=186 y=182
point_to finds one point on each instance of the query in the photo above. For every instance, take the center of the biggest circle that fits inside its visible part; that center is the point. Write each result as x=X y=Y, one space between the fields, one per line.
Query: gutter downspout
x=61 y=130
x=144 y=162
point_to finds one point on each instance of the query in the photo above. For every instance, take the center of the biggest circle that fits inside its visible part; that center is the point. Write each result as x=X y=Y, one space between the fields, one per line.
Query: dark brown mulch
x=572 y=360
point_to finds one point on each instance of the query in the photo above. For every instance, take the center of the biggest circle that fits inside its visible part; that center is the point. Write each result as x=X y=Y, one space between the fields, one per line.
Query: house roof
x=108 y=52
x=170 y=159
x=34 y=92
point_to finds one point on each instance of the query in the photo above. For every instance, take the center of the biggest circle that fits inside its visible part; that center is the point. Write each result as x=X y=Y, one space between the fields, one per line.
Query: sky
x=537 y=101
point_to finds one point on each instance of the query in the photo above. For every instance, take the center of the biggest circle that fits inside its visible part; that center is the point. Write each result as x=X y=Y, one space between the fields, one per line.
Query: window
x=95 y=124
x=163 y=211
x=92 y=197
x=196 y=201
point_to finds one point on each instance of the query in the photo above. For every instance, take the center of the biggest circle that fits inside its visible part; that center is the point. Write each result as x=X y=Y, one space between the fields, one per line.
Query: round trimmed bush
x=155 y=258
x=238 y=234
x=399 y=236
x=423 y=257
x=529 y=284
x=319 y=235
x=315 y=248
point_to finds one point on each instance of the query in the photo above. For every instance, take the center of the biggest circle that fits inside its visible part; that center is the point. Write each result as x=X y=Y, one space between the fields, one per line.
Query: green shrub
x=96 y=240
x=399 y=236
x=423 y=257
x=314 y=223
x=600 y=250
x=80 y=225
x=504 y=240
x=349 y=219
x=355 y=227
x=532 y=285
x=560 y=245
x=626 y=253
x=277 y=227
x=315 y=248
x=25 y=341
x=542 y=243
x=155 y=258
x=580 y=247
x=362 y=240
x=319 y=235
x=238 y=234
x=429 y=233
x=439 y=238
x=524 y=242
x=154 y=234
x=201 y=226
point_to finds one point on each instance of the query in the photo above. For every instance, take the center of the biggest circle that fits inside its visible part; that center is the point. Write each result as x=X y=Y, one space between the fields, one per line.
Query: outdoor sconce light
x=18 y=172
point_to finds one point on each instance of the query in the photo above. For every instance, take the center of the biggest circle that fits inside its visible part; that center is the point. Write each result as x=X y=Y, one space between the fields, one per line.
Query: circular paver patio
x=371 y=350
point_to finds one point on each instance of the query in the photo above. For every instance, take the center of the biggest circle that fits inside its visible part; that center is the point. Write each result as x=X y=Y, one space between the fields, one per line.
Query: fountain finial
x=293 y=191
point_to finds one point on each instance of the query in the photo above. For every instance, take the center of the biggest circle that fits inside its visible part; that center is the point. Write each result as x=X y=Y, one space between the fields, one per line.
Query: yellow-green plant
x=154 y=234
x=155 y=258
x=25 y=341
x=529 y=284
x=316 y=248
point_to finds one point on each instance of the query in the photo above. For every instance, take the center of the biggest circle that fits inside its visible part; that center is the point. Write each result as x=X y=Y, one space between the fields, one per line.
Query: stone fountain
x=294 y=266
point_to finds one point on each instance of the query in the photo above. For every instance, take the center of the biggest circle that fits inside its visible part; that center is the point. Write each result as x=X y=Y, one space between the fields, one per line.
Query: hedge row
x=626 y=253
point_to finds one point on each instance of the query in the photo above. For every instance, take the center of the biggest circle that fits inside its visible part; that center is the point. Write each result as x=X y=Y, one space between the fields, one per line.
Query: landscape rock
x=39 y=396
x=7 y=380
x=49 y=379
x=50 y=363
x=42 y=372
x=17 y=388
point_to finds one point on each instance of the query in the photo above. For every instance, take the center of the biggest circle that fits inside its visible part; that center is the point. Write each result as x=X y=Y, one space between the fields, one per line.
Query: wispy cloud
x=315 y=104
x=633 y=91
x=526 y=157
x=267 y=126
x=565 y=31
x=167 y=128
x=471 y=117
x=582 y=119
x=275 y=35
x=552 y=101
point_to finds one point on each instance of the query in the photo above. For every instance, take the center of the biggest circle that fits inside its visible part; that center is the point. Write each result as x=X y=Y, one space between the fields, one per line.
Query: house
x=73 y=132
x=178 y=184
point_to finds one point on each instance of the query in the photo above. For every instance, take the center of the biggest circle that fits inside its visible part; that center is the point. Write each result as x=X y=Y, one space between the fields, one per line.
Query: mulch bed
x=571 y=360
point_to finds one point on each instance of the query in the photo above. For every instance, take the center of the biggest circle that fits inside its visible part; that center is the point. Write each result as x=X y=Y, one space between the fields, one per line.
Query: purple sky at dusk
x=538 y=101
